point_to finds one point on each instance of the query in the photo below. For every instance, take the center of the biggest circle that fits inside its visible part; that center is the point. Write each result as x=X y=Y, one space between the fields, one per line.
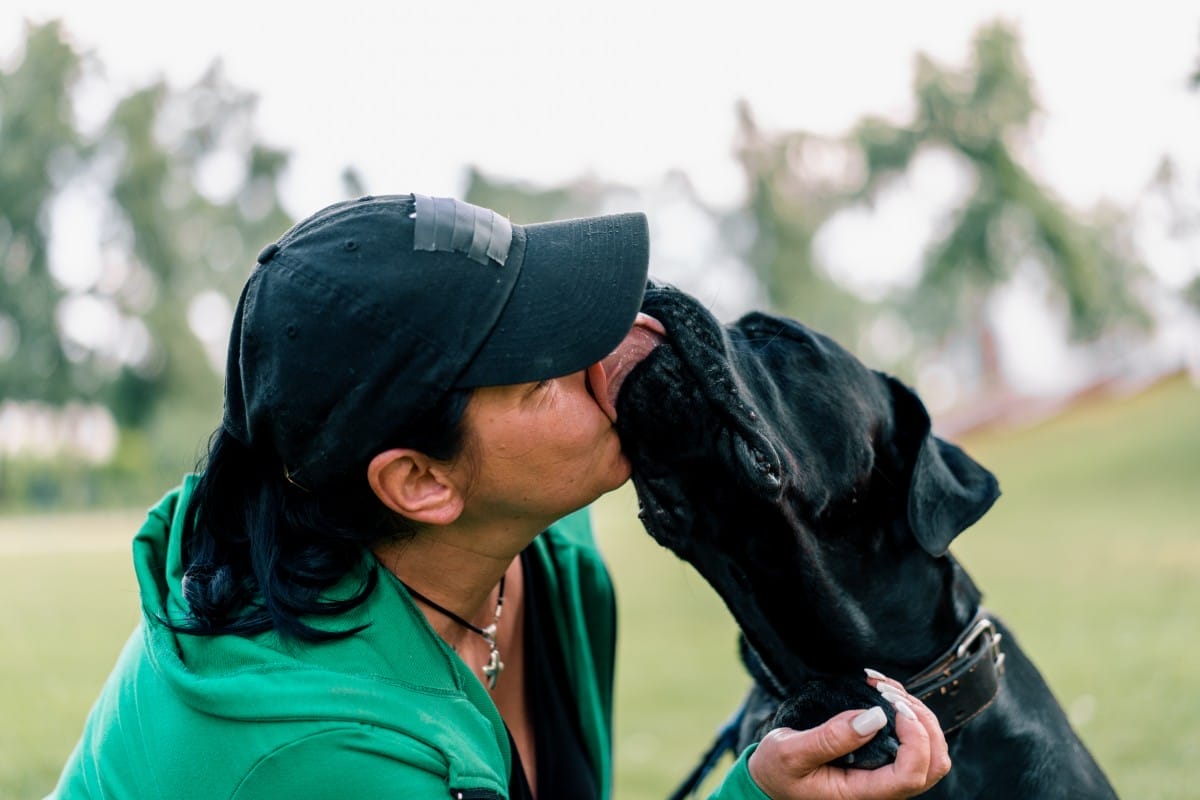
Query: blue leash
x=727 y=736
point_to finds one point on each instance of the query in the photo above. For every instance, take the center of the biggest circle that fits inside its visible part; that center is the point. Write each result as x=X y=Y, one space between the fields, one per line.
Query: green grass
x=67 y=603
x=1092 y=555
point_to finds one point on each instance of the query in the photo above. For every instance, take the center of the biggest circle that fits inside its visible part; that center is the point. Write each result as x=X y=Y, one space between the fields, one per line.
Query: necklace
x=494 y=666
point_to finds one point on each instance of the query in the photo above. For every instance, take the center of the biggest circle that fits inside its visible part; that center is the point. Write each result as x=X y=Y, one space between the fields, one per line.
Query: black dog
x=811 y=494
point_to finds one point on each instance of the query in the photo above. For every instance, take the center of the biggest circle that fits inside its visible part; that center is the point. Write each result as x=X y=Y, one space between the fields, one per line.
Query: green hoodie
x=388 y=712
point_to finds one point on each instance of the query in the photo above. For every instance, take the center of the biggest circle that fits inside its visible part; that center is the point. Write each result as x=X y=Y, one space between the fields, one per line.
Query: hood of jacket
x=396 y=674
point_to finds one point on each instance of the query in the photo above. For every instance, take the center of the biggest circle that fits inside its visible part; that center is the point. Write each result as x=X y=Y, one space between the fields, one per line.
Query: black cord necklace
x=494 y=666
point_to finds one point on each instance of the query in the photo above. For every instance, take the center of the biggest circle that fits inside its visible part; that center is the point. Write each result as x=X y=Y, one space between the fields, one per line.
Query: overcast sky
x=546 y=90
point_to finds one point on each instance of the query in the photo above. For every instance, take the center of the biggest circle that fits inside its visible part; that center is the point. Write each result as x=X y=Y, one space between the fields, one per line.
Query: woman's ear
x=415 y=486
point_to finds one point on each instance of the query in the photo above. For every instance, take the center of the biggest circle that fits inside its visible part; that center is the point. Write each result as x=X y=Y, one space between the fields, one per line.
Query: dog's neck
x=892 y=611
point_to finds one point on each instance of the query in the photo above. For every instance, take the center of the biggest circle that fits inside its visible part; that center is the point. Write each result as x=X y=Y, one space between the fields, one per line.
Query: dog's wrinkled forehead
x=771 y=396
x=685 y=403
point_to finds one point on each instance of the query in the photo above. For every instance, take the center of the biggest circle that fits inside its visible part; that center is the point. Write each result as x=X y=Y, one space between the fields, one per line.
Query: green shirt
x=388 y=712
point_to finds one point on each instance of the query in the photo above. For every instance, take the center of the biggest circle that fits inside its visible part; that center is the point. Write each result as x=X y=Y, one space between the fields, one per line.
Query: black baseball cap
x=366 y=314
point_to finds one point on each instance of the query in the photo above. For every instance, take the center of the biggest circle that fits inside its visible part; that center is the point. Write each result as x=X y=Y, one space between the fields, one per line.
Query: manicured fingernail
x=874 y=673
x=904 y=709
x=897 y=700
x=870 y=721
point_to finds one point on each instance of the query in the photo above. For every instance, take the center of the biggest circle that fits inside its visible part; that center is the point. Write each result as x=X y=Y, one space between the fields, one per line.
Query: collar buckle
x=965 y=680
x=983 y=627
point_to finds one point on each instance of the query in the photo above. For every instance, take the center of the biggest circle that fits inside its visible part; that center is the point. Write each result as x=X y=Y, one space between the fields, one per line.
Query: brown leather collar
x=957 y=687
x=964 y=680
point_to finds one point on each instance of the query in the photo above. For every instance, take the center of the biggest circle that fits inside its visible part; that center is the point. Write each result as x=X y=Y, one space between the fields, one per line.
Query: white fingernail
x=870 y=721
x=904 y=709
x=874 y=673
x=891 y=695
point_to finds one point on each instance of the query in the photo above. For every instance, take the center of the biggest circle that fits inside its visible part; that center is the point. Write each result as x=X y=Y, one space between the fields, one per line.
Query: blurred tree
x=177 y=196
x=1191 y=292
x=39 y=150
x=1196 y=76
x=1009 y=220
x=353 y=183
x=1181 y=215
x=185 y=243
x=523 y=202
x=796 y=182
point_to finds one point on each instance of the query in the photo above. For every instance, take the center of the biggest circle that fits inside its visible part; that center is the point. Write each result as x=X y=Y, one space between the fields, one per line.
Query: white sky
x=546 y=90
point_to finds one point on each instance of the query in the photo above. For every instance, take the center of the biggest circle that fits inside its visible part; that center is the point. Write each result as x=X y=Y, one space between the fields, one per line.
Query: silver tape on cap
x=443 y=224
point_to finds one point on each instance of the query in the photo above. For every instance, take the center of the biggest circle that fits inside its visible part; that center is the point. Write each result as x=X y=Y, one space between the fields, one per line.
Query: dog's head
x=806 y=488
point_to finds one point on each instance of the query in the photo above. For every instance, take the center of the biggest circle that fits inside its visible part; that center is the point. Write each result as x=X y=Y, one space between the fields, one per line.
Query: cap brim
x=578 y=292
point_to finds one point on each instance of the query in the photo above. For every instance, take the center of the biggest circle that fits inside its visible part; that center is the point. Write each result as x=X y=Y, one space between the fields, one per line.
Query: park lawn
x=1092 y=555
x=67 y=603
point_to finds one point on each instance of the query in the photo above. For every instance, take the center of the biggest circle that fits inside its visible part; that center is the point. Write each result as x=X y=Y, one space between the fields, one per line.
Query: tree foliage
x=182 y=241
x=38 y=144
x=1191 y=292
x=176 y=194
x=1195 y=79
x=523 y=202
x=1009 y=221
x=980 y=114
x=796 y=181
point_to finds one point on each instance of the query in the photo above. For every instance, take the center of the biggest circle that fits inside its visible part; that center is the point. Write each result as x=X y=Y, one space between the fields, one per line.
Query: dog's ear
x=949 y=491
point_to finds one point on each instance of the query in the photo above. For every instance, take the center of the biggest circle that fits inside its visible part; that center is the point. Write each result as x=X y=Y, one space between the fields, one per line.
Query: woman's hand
x=792 y=765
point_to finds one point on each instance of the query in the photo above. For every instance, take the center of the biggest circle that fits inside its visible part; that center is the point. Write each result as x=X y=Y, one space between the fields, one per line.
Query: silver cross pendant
x=493 y=668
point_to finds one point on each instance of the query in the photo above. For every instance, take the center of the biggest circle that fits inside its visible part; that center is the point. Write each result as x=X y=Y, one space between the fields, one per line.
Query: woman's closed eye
x=538 y=387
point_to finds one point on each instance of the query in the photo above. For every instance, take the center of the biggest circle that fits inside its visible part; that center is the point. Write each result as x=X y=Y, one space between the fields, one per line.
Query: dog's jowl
x=811 y=493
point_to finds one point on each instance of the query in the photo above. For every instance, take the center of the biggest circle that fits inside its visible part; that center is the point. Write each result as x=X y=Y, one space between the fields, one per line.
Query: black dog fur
x=810 y=492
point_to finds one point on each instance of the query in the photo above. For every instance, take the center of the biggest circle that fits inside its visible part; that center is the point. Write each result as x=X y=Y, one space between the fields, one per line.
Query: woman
x=381 y=584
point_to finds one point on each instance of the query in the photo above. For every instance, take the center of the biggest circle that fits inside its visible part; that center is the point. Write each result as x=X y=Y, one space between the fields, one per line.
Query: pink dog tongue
x=647 y=333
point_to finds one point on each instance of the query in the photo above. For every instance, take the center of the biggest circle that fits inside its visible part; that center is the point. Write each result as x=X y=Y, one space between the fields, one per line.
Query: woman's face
x=537 y=451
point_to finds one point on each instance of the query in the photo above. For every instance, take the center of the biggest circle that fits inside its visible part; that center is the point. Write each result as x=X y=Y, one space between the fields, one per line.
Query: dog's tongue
x=647 y=333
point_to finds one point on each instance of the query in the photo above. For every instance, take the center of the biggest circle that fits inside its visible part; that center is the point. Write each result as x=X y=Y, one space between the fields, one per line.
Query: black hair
x=261 y=553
